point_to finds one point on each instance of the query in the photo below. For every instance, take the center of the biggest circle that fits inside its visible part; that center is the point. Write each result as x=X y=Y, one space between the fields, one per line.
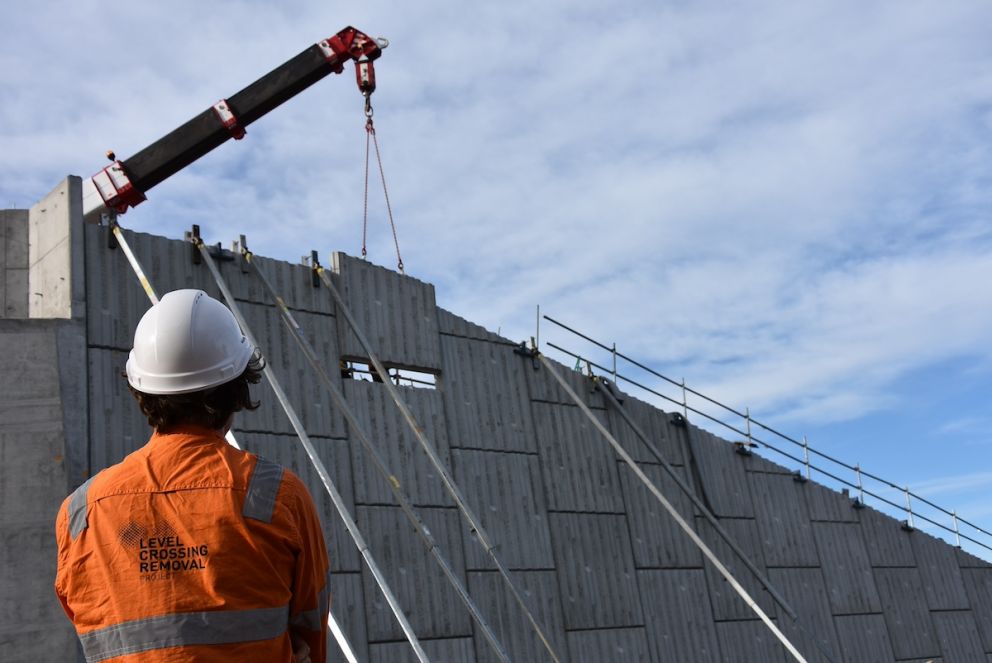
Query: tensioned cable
x=377 y=460
x=336 y=630
x=710 y=517
x=325 y=477
x=673 y=512
x=475 y=525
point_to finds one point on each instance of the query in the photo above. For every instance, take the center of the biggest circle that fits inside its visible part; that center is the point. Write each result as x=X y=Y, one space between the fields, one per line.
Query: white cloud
x=787 y=205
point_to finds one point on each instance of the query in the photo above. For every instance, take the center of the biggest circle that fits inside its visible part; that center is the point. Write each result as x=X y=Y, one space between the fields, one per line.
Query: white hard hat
x=187 y=342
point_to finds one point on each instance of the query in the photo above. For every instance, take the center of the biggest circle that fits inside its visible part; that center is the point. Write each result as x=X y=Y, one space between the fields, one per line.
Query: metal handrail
x=804 y=462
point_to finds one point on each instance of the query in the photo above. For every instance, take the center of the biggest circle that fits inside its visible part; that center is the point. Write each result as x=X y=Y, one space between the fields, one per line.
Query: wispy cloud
x=787 y=205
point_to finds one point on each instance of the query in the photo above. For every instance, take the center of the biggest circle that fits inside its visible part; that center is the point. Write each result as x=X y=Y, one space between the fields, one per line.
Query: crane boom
x=123 y=184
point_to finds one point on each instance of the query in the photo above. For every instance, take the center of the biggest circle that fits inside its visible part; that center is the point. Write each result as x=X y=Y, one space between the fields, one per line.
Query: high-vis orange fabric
x=191 y=550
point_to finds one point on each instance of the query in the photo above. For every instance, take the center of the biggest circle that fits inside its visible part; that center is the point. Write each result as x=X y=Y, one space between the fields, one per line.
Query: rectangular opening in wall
x=417 y=378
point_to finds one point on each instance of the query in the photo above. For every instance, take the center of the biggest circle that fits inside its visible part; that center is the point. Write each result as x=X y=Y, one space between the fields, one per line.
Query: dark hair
x=209 y=408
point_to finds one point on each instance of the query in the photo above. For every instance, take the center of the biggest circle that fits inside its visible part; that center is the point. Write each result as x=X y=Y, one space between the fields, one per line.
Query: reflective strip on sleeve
x=184 y=629
x=79 y=509
x=260 y=499
x=313 y=620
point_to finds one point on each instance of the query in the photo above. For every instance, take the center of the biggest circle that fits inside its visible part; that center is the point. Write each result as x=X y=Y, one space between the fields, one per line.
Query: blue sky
x=787 y=204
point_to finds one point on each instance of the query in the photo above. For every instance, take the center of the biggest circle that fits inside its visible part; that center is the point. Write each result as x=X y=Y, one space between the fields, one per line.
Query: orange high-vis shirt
x=192 y=550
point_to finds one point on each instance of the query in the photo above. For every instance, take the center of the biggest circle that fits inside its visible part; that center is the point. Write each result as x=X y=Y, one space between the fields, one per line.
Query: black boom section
x=187 y=143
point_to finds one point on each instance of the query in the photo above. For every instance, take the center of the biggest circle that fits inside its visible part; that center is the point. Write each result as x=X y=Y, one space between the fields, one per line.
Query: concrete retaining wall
x=603 y=567
x=14 y=263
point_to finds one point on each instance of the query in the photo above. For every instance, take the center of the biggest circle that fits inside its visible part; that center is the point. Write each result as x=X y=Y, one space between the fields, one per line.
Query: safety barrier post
x=861 y=487
x=339 y=504
x=614 y=362
x=909 y=509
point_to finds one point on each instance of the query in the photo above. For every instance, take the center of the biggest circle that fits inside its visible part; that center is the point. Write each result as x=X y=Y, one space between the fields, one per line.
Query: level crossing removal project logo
x=159 y=552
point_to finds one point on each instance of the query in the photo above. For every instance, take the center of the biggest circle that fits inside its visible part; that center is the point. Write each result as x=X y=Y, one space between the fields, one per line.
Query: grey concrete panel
x=806 y=593
x=767 y=461
x=3 y=266
x=749 y=641
x=15 y=296
x=453 y=325
x=348 y=606
x=485 y=396
x=829 y=505
x=396 y=313
x=56 y=282
x=615 y=644
x=655 y=426
x=727 y=604
x=505 y=492
x=907 y=616
x=115 y=300
x=453 y=650
x=117 y=426
x=385 y=426
x=289 y=452
x=846 y=568
x=677 y=616
x=39 y=643
x=595 y=571
x=429 y=601
x=939 y=570
x=29 y=390
x=888 y=544
x=4 y=216
x=15 y=239
x=73 y=369
x=783 y=520
x=306 y=394
x=722 y=475
x=957 y=633
x=544 y=387
x=657 y=540
x=863 y=639
x=33 y=480
x=27 y=575
x=967 y=560
x=978 y=584
x=33 y=485
x=514 y=630
x=292 y=282
x=580 y=473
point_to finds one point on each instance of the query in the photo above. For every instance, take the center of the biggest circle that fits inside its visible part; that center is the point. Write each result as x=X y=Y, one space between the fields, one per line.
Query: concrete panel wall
x=14 y=263
x=33 y=483
x=600 y=563
x=56 y=273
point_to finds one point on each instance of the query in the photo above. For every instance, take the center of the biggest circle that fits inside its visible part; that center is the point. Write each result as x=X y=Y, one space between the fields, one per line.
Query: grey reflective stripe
x=79 y=509
x=184 y=629
x=313 y=620
x=260 y=499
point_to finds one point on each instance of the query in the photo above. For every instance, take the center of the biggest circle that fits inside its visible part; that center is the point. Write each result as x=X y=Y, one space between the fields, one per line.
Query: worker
x=191 y=549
